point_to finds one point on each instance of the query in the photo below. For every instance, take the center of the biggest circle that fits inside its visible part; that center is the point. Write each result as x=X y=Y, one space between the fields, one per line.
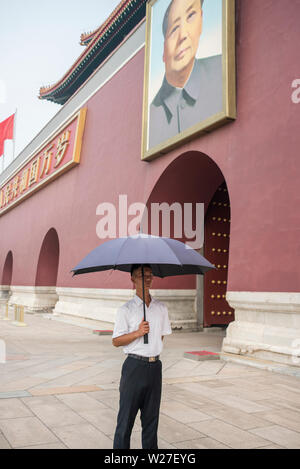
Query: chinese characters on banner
x=58 y=155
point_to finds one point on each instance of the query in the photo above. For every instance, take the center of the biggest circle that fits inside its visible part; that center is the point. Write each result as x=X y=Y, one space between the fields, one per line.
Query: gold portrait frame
x=228 y=79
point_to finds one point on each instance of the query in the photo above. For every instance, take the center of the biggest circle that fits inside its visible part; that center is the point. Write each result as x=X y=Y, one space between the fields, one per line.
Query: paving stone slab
x=63 y=390
x=81 y=402
x=13 y=408
x=26 y=431
x=182 y=413
x=11 y=394
x=83 y=437
x=46 y=446
x=172 y=431
x=229 y=435
x=280 y=436
x=4 y=443
x=52 y=412
x=201 y=443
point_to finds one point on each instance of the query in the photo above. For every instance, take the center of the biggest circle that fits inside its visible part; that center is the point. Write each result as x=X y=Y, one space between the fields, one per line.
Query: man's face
x=138 y=279
x=183 y=35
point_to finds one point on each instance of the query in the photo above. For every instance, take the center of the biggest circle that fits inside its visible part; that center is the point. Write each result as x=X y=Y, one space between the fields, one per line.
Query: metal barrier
x=6 y=317
x=19 y=316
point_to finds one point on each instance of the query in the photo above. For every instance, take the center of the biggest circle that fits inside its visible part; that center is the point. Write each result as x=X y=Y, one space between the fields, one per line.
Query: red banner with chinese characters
x=56 y=156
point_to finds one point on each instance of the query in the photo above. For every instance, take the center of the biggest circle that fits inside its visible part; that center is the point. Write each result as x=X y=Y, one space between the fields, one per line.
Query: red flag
x=6 y=131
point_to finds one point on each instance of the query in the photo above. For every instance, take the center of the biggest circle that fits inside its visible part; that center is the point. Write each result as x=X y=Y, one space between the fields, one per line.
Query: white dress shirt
x=130 y=315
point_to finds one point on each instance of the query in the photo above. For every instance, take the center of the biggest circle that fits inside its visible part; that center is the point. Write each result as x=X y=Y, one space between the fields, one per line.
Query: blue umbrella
x=166 y=257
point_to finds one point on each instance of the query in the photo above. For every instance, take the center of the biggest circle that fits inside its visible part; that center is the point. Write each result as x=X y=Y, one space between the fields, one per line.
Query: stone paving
x=59 y=389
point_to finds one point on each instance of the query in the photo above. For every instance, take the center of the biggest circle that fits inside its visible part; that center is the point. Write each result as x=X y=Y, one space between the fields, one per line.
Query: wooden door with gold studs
x=216 y=249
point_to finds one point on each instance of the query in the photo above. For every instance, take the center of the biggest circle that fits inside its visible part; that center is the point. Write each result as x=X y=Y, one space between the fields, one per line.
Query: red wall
x=258 y=155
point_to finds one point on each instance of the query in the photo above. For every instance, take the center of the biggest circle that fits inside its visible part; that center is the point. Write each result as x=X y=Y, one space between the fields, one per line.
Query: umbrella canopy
x=167 y=257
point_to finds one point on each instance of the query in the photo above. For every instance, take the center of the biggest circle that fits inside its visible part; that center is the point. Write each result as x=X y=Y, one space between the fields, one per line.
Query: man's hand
x=128 y=338
x=143 y=328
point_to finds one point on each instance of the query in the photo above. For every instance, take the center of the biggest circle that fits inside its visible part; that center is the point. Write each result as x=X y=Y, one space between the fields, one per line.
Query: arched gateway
x=6 y=282
x=193 y=179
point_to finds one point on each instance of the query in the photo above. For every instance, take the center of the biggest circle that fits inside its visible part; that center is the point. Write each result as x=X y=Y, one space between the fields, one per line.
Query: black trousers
x=140 y=388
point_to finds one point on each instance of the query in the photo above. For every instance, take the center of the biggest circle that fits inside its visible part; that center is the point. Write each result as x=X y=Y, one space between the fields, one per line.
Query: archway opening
x=47 y=268
x=7 y=270
x=194 y=178
x=216 y=310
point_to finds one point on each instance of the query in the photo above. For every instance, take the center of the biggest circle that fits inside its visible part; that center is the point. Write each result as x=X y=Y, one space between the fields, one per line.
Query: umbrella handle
x=146 y=339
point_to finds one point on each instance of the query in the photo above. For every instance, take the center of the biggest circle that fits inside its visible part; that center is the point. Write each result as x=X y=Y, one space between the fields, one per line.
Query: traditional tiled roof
x=85 y=38
x=99 y=44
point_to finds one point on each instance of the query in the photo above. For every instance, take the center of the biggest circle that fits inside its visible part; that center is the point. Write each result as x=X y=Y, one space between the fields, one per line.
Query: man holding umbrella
x=143 y=255
x=141 y=379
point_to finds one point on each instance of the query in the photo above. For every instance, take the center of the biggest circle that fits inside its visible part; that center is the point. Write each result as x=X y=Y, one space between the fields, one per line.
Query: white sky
x=39 y=41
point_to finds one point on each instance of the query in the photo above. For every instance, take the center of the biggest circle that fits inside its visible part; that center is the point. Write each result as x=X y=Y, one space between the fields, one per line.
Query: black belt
x=145 y=359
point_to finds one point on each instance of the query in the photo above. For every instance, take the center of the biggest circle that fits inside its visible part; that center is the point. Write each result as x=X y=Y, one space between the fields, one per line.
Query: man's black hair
x=166 y=18
x=137 y=266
